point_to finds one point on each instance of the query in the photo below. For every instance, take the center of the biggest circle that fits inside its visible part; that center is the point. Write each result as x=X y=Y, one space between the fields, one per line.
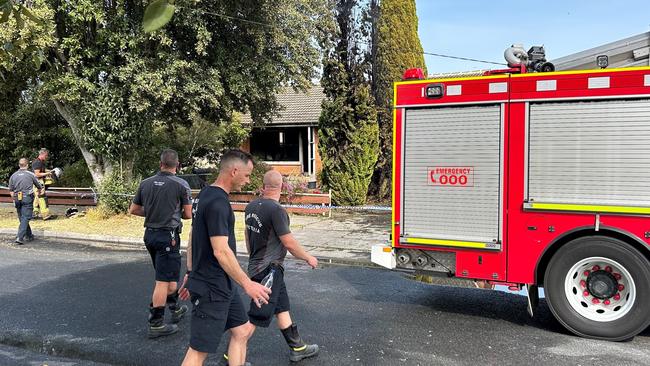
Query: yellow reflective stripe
x=393 y=191
x=447 y=243
x=300 y=348
x=593 y=71
x=589 y=208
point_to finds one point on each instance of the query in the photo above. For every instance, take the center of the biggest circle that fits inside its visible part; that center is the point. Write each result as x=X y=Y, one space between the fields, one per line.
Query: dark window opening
x=276 y=144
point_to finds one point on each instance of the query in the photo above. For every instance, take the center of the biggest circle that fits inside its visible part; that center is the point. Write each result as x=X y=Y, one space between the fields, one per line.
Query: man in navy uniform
x=163 y=200
x=21 y=189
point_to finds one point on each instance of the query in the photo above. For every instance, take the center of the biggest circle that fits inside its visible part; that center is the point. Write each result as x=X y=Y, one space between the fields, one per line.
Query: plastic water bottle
x=267 y=281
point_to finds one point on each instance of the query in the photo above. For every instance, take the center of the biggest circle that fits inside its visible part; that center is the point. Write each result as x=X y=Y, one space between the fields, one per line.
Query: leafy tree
x=348 y=131
x=397 y=48
x=28 y=124
x=196 y=144
x=114 y=84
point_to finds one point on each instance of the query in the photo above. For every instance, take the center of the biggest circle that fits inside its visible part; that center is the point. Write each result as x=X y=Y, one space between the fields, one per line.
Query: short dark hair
x=169 y=158
x=23 y=163
x=233 y=156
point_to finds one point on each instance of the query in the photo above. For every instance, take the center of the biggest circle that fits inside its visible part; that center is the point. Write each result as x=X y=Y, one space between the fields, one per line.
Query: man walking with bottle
x=213 y=267
x=268 y=238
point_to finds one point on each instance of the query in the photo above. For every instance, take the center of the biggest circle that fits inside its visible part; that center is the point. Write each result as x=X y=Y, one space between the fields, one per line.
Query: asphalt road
x=71 y=304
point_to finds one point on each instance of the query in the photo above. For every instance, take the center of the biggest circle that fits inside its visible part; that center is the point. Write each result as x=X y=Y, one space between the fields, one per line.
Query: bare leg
x=194 y=357
x=284 y=320
x=160 y=292
x=172 y=286
x=238 y=341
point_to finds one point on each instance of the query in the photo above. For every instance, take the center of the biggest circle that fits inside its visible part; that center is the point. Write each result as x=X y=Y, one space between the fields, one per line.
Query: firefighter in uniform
x=21 y=189
x=162 y=200
x=40 y=200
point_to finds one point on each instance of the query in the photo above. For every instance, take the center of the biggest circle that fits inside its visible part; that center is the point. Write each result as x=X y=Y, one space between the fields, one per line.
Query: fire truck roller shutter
x=452 y=137
x=590 y=153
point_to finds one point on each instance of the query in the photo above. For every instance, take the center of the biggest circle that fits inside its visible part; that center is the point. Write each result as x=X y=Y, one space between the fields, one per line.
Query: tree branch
x=94 y=165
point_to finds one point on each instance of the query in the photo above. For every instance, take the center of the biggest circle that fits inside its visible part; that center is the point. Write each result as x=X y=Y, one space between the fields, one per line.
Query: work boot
x=157 y=326
x=224 y=361
x=177 y=311
x=298 y=349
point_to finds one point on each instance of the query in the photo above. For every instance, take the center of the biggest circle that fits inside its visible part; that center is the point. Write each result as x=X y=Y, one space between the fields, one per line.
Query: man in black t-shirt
x=268 y=238
x=212 y=268
x=163 y=200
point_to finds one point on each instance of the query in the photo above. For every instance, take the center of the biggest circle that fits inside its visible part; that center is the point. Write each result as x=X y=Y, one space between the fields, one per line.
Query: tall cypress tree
x=348 y=130
x=396 y=49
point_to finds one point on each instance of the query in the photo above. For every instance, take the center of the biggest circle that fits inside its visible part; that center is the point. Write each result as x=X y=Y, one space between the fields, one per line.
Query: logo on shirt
x=256 y=223
x=158 y=183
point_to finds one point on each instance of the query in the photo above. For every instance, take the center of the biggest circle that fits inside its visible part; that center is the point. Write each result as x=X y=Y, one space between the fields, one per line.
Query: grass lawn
x=119 y=225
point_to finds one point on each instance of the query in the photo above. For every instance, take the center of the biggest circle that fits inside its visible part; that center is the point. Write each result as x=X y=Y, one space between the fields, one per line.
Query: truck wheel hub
x=602 y=285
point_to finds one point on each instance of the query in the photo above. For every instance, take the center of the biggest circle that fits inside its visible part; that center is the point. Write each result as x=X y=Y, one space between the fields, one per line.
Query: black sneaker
x=18 y=242
x=29 y=238
x=179 y=313
x=161 y=330
x=308 y=350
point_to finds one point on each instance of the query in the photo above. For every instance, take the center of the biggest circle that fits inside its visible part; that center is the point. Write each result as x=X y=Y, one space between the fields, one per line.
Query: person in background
x=40 y=200
x=21 y=189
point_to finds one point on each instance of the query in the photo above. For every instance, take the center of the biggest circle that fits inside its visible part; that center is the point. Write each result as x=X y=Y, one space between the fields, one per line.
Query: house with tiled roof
x=289 y=142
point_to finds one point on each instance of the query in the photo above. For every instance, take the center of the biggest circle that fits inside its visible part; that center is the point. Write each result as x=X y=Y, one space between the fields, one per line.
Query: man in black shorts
x=268 y=237
x=163 y=199
x=213 y=266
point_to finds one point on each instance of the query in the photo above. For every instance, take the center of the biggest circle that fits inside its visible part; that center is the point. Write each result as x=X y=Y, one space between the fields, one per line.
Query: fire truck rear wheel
x=599 y=287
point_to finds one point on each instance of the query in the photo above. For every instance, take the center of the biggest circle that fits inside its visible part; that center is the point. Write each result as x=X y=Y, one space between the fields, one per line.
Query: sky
x=484 y=29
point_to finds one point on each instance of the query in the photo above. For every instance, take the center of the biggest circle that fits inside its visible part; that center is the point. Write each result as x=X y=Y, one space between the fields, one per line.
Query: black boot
x=177 y=311
x=157 y=326
x=298 y=348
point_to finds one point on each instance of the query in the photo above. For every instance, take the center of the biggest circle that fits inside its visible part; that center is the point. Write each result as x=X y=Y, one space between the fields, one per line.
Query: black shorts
x=278 y=301
x=165 y=257
x=212 y=315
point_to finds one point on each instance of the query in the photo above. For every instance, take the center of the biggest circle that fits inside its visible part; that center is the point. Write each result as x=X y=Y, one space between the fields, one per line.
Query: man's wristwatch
x=188 y=271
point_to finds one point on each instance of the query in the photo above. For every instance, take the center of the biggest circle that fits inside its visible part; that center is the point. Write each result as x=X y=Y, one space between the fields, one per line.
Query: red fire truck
x=529 y=179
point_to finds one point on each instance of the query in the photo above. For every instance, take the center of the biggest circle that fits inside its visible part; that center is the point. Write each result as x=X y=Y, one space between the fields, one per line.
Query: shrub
x=294 y=184
x=76 y=175
x=115 y=193
x=257 y=176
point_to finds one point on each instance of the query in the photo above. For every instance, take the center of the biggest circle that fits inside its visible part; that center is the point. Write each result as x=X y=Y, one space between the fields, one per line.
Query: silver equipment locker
x=593 y=153
x=452 y=137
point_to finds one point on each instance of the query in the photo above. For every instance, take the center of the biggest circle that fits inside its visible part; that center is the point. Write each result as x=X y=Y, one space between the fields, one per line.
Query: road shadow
x=472 y=302
x=97 y=314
